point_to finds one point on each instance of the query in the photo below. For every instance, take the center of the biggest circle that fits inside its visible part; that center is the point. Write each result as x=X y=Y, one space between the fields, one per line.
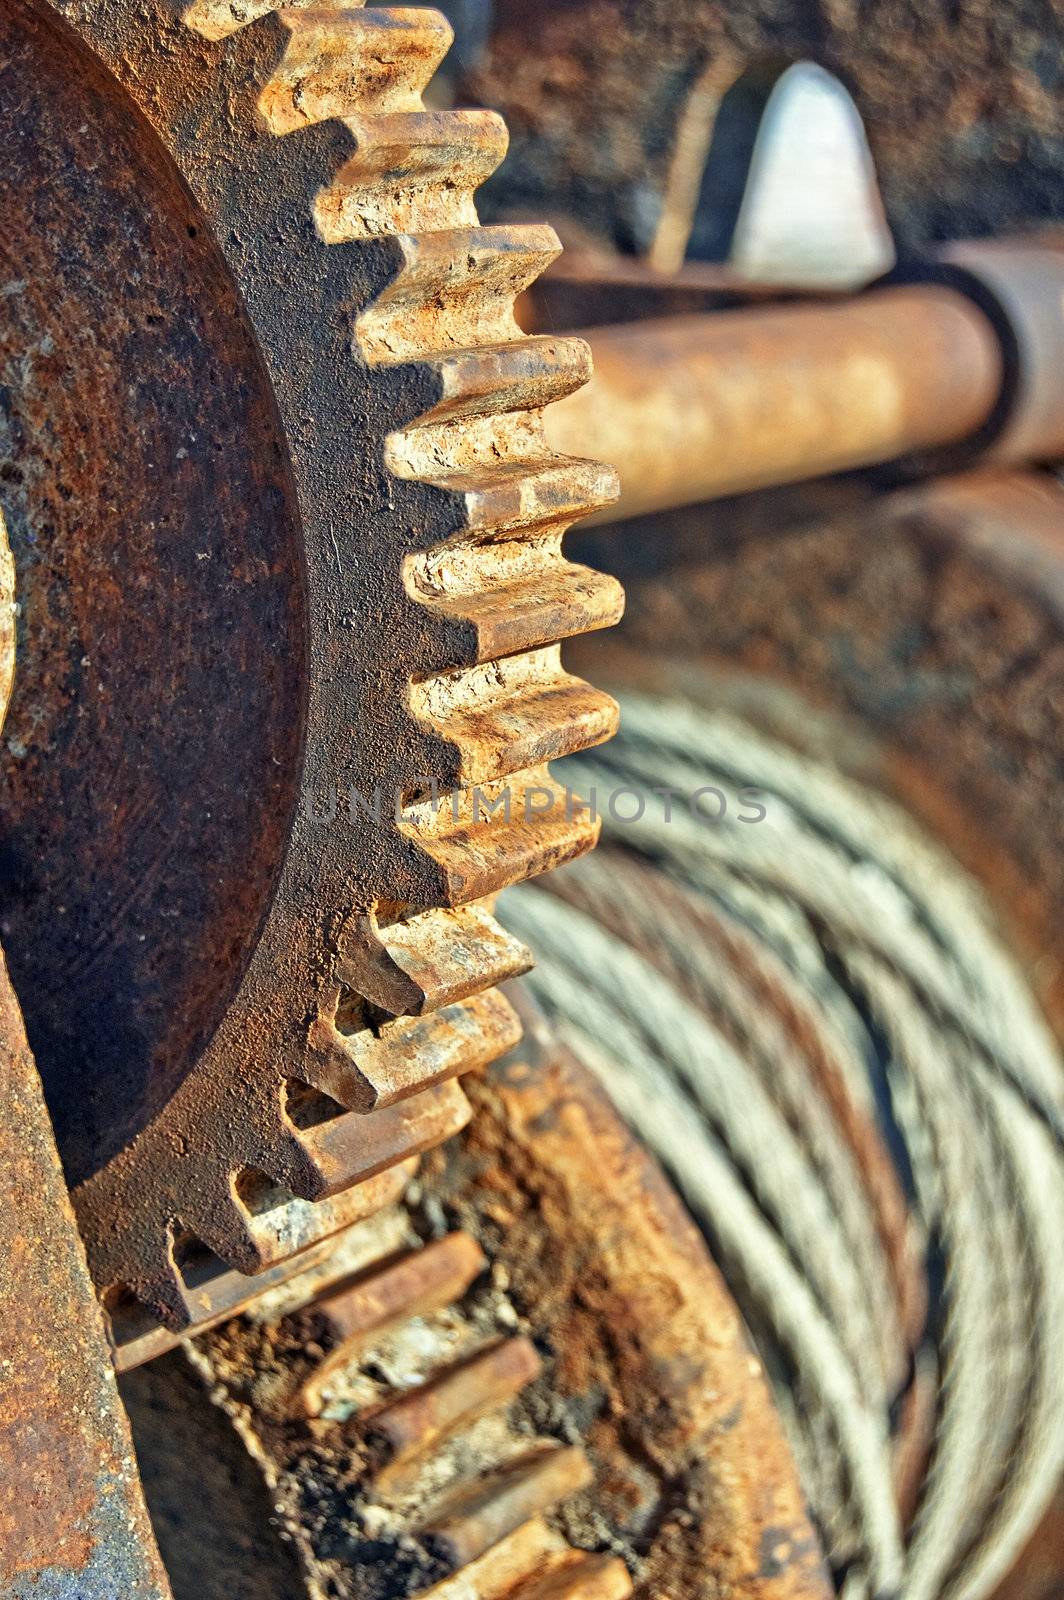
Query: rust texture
x=215 y=1293
x=413 y=1424
x=698 y=407
x=649 y=1363
x=72 y=1518
x=921 y=633
x=385 y=1412
x=73 y=1524
x=367 y=1165
x=308 y=542
x=526 y=1381
x=153 y=742
x=443 y=1271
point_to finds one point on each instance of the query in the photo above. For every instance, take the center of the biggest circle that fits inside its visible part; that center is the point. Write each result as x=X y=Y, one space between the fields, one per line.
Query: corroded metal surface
x=73 y=1525
x=366 y=1165
x=390 y=1414
x=527 y=1380
x=411 y=1286
x=289 y=529
x=524 y=1379
x=152 y=754
x=702 y=406
x=649 y=1363
x=217 y=1293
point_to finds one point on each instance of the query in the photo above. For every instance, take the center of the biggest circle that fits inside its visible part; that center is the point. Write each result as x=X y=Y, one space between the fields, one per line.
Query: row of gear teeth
x=414 y=1004
x=387 y=1407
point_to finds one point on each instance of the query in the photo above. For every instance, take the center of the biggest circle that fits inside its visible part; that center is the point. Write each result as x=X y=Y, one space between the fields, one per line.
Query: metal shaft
x=692 y=408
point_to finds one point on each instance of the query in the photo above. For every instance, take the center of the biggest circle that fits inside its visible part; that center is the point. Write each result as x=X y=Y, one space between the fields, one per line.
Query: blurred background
x=961 y=102
x=829 y=993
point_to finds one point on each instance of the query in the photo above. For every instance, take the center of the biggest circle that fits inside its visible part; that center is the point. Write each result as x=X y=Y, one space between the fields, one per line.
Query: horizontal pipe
x=692 y=408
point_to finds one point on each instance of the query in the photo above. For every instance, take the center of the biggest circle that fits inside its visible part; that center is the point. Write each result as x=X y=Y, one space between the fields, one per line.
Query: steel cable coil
x=803 y=1006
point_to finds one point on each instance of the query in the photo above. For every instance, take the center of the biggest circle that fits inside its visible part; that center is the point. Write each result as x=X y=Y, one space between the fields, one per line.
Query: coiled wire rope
x=803 y=1007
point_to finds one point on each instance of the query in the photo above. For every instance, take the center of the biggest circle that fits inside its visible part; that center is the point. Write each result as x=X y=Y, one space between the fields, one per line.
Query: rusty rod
x=696 y=407
x=72 y=1515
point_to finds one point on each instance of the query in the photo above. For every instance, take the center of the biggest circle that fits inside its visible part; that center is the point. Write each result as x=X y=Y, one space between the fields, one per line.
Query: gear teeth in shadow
x=414 y=1371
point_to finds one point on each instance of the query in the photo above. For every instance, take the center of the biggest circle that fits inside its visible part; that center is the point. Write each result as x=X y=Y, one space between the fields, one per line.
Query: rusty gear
x=286 y=526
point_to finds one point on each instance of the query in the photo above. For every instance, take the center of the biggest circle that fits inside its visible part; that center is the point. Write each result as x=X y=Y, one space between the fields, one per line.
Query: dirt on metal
x=649 y=1362
x=526 y=1378
x=153 y=742
x=72 y=1518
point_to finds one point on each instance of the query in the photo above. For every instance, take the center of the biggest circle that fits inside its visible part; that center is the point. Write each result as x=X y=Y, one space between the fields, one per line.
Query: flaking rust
x=650 y=1363
x=385 y=1416
x=531 y=1384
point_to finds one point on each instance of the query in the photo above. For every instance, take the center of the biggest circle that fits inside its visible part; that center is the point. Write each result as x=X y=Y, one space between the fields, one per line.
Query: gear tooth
x=403 y=1430
x=375 y=1068
x=508 y=715
x=164 y=1297
x=284 y=1225
x=530 y=1552
x=155 y=1298
x=529 y=495
x=410 y=174
x=514 y=376
x=516 y=605
x=496 y=597
x=225 y=1230
x=501 y=834
x=349 y=61
x=285 y=1158
x=501 y=475
x=580 y=1578
x=352 y=1149
x=453 y=290
x=417 y=1284
x=433 y=960
x=164 y=1290
x=475 y=1517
